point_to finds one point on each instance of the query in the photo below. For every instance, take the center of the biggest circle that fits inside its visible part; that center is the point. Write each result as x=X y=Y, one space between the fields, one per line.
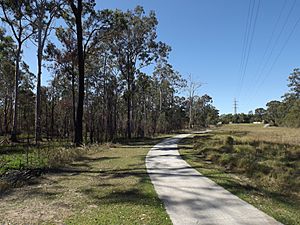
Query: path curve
x=191 y=198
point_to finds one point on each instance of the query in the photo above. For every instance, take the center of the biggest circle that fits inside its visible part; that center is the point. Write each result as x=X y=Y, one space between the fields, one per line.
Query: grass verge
x=263 y=172
x=108 y=186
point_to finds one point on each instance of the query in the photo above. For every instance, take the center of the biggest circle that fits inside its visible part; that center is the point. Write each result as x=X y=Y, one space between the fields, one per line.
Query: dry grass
x=279 y=135
x=260 y=165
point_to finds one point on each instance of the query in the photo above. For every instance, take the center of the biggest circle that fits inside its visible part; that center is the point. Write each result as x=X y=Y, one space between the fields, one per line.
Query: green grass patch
x=19 y=157
x=27 y=156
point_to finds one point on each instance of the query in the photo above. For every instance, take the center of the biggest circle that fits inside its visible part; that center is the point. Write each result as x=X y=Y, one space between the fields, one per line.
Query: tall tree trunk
x=191 y=114
x=78 y=18
x=91 y=122
x=145 y=117
x=16 y=96
x=38 y=86
x=52 y=120
x=129 y=110
x=5 y=114
x=160 y=100
x=73 y=102
x=115 y=116
x=105 y=111
x=46 y=125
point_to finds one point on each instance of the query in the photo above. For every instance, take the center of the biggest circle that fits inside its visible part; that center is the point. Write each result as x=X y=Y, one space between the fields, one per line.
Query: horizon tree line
x=277 y=113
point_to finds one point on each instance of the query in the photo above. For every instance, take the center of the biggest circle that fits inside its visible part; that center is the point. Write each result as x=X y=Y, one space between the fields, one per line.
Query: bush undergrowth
x=274 y=164
x=261 y=166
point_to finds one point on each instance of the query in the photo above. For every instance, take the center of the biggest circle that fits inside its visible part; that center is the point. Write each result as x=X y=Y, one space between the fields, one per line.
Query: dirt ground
x=52 y=197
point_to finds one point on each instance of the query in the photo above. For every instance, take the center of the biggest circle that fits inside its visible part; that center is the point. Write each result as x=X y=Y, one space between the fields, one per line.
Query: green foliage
x=204 y=113
x=20 y=157
x=294 y=83
x=118 y=45
x=50 y=155
x=286 y=113
x=292 y=118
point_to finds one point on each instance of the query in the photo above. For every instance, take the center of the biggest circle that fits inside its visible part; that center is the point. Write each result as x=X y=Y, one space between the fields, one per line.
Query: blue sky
x=207 y=36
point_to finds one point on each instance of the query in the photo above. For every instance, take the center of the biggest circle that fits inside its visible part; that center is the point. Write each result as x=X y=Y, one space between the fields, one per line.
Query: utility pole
x=235 y=106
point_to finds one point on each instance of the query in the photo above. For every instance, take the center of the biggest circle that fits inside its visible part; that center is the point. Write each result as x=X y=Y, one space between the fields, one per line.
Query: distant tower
x=235 y=106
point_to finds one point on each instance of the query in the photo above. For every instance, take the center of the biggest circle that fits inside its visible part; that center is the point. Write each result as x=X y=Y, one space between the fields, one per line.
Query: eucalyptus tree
x=294 y=83
x=192 y=88
x=26 y=100
x=275 y=112
x=16 y=14
x=43 y=14
x=135 y=46
x=88 y=24
x=77 y=10
x=7 y=59
x=291 y=101
x=63 y=63
x=53 y=96
x=101 y=94
x=144 y=89
x=205 y=113
x=177 y=115
x=260 y=114
x=167 y=81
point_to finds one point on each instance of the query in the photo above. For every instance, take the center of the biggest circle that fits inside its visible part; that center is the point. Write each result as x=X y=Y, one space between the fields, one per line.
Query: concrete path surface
x=191 y=198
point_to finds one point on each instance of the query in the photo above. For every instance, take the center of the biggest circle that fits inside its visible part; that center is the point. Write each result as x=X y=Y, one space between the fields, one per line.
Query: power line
x=246 y=34
x=272 y=35
x=245 y=40
x=250 y=45
x=277 y=39
x=250 y=31
x=257 y=77
x=278 y=55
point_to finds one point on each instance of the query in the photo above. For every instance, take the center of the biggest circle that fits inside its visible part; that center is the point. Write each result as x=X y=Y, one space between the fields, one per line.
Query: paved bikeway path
x=190 y=198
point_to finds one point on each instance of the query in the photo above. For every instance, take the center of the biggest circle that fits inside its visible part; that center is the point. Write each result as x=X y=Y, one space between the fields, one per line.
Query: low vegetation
x=256 y=132
x=23 y=161
x=260 y=165
x=109 y=185
x=24 y=156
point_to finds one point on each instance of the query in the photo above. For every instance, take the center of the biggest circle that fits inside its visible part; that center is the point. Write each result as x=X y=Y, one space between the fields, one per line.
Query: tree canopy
x=99 y=90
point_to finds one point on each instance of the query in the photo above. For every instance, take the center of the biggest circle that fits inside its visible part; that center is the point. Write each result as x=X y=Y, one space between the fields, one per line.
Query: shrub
x=248 y=163
x=225 y=159
x=229 y=141
x=59 y=156
x=263 y=168
x=226 y=149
